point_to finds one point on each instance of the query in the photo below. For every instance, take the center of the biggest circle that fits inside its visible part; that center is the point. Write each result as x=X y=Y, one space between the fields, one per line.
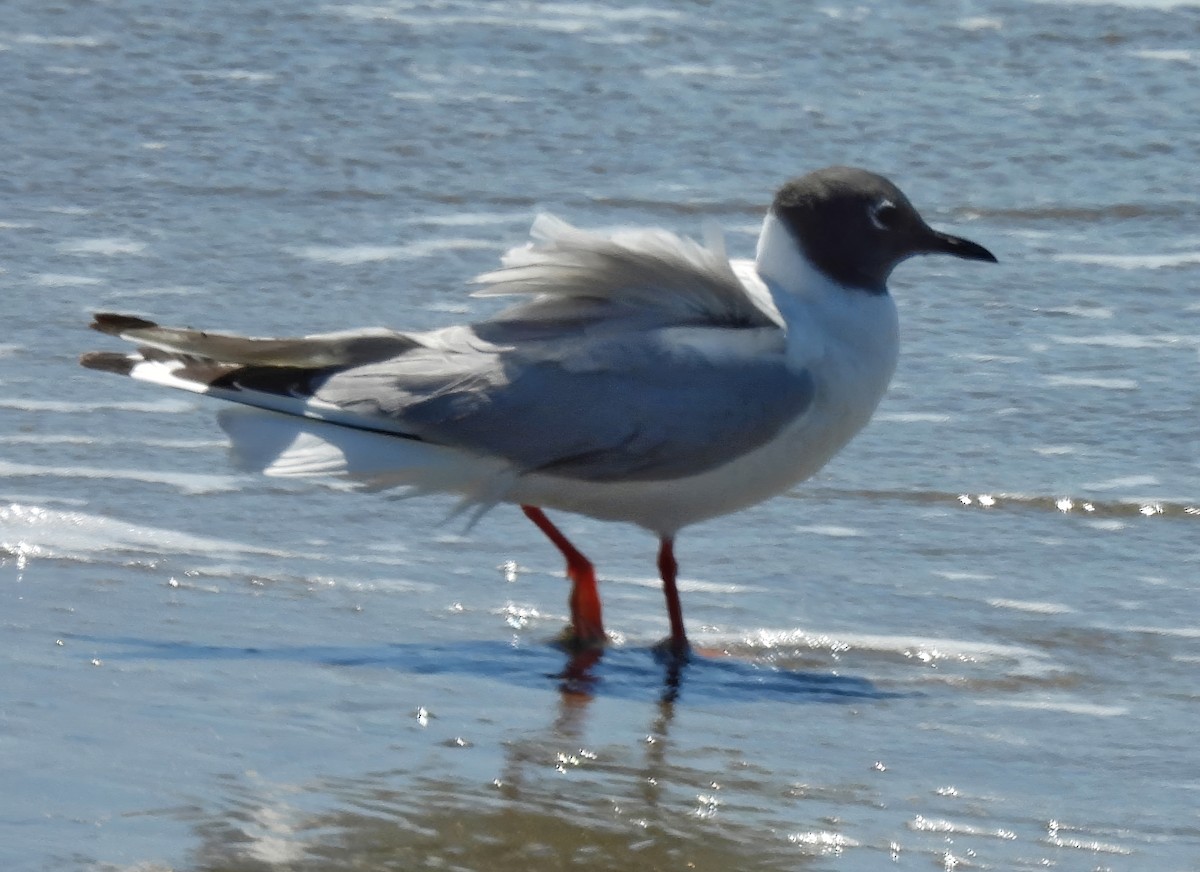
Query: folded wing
x=638 y=357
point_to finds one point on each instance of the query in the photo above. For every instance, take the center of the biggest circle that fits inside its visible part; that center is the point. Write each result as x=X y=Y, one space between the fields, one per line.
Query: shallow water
x=971 y=642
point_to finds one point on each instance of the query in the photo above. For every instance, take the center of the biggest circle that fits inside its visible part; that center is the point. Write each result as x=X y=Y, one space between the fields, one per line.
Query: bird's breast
x=850 y=367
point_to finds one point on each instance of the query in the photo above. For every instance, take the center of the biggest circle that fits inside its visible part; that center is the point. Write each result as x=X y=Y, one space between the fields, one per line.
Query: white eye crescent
x=883 y=214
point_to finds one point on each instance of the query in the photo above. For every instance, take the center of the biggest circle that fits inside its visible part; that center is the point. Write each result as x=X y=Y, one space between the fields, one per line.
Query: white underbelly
x=664 y=507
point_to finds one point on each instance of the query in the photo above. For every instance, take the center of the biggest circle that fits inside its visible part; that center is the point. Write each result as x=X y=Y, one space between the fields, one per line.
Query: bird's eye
x=884 y=214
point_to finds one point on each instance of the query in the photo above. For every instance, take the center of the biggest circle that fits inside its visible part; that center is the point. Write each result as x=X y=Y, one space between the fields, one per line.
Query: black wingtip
x=115 y=325
x=109 y=361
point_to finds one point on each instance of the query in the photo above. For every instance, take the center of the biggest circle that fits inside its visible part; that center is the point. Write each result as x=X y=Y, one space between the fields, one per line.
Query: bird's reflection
x=564 y=741
x=611 y=767
x=580 y=679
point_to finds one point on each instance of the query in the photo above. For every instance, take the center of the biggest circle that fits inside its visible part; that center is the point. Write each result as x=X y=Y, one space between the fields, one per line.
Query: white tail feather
x=285 y=445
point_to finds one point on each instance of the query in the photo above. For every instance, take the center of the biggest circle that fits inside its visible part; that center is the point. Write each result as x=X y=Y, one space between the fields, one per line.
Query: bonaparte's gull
x=644 y=378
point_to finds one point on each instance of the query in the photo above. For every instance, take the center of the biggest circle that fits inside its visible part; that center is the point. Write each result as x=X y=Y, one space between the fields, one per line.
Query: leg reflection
x=580 y=677
x=578 y=680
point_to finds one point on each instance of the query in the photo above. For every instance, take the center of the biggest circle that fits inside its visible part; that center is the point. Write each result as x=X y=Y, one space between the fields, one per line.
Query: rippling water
x=972 y=642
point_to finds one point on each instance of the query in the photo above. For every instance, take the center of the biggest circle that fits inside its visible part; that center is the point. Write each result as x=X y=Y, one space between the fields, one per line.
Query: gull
x=643 y=377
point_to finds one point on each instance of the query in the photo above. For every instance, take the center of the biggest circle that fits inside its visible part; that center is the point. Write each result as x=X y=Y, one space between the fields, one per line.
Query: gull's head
x=855 y=227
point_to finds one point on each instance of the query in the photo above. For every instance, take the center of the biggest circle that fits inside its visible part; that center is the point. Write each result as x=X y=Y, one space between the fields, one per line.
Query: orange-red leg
x=587 y=624
x=668 y=569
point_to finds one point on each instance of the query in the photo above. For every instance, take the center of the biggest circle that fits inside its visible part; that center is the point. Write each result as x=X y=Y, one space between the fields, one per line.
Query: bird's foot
x=582 y=638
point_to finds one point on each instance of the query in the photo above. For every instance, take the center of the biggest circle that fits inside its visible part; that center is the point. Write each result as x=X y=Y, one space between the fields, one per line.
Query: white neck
x=779 y=259
x=819 y=313
x=790 y=276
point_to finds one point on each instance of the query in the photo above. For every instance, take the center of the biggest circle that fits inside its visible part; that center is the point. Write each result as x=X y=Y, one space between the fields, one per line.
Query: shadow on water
x=619 y=672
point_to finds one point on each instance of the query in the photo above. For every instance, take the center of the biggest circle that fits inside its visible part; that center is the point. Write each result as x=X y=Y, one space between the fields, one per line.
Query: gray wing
x=647 y=405
x=636 y=355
